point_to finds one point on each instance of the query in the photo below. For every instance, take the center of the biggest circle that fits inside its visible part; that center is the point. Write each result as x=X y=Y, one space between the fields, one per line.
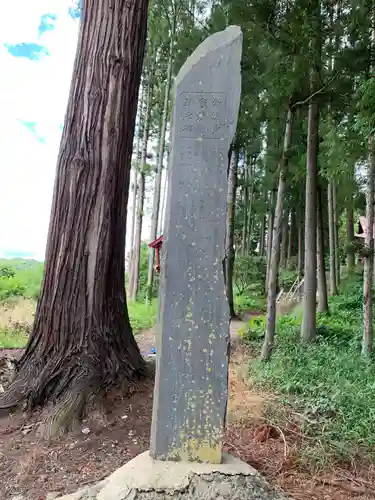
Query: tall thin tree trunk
x=262 y=237
x=245 y=228
x=368 y=277
x=284 y=240
x=336 y=235
x=134 y=186
x=82 y=342
x=135 y=267
x=158 y=176
x=332 y=242
x=308 y=326
x=350 y=237
x=270 y=223
x=251 y=201
x=322 y=281
x=163 y=196
x=276 y=240
x=301 y=246
x=229 y=243
x=292 y=235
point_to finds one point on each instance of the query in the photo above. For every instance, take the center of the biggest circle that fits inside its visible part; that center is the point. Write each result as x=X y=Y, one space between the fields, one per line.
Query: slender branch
x=319 y=91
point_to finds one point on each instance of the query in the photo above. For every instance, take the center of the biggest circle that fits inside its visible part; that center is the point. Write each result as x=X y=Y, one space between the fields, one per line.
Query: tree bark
x=322 y=281
x=250 y=214
x=368 y=277
x=308 y=326
x=135 y=265
x=350 y=237
x=368 y=274
x=336 y=236
x=229 y=243
x=134 y=186
x=293 y=236
x=301 y=249
x=163 y=197
x=262 y=237
x=284 y=240
x=159 y=171
x=245 y=228
x=276 y=240
x=332 y=242
x=270 y=223
x=82 y=341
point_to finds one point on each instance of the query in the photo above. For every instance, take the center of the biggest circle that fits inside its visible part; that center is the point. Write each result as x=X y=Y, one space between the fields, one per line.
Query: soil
x=31 y=467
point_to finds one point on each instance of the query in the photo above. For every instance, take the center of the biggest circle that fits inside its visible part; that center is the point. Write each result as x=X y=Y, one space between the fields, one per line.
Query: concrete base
x=146 y=479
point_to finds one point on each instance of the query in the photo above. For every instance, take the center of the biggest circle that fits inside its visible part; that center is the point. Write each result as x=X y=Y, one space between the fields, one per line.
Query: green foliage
x=249 y=272
x=326 y=383
x=11 y=338
x=255 y=328
x=6 y=272
x=250 y=301
x=20 y=278
x=365 y=119
x=11 y=287
x=143 y=270
x=142 y=316
x=287 y=278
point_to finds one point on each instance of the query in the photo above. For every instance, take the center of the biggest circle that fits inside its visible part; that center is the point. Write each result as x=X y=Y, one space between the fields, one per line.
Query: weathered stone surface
x=192 y=347
x=146 y=479
x=87 y=493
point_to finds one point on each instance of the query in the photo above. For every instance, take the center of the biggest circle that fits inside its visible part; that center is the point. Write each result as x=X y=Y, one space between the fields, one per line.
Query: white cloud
x=31 y=91
x=36 y=92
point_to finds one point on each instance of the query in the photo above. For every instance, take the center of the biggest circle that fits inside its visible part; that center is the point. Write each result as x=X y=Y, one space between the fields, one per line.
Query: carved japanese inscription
x=201 y=114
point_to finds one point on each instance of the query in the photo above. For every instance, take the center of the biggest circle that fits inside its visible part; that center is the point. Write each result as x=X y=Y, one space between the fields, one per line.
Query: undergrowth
x=20 y=283
x=142 y=315
x=249 y=302
x=325 y=387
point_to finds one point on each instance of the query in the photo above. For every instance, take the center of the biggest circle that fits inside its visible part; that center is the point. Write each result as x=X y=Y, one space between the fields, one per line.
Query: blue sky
x=37 y=47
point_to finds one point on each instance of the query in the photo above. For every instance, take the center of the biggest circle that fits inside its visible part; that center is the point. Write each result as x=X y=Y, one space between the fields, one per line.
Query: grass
x=325 y=387
x=11 y=338
x=142 y=316
x=249 y=301
x=26 y=281
x=20 y=282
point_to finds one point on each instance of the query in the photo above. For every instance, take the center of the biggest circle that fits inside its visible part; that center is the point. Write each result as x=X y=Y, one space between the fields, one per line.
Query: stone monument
x=191 y=388
x=191 y=384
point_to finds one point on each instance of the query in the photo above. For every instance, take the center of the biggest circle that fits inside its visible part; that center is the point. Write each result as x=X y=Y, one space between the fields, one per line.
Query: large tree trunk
x=276 y=241
x=229 y=243
x=82 y=341
x=322 y=280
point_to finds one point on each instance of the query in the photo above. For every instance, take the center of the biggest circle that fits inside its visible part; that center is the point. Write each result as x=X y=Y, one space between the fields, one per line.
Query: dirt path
x=31 y=467
x=146 y=340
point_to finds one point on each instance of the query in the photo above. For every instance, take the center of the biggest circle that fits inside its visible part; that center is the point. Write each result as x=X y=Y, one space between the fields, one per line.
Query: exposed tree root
x=70 y=381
